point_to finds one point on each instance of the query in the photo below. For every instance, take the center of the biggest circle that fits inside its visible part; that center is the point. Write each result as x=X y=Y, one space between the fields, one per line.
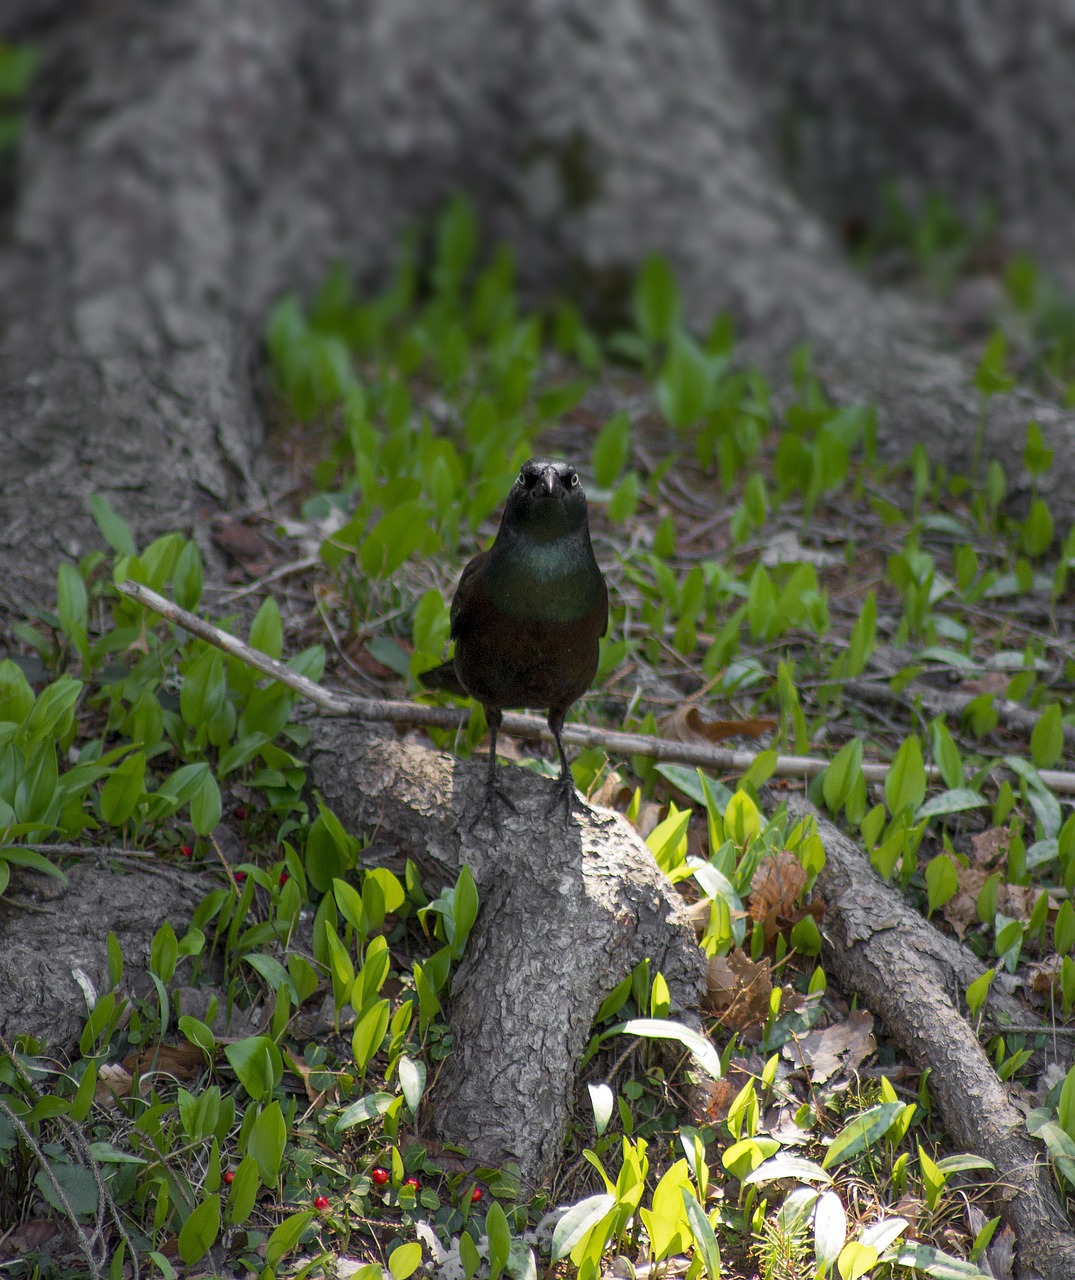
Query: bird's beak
x=549 y=479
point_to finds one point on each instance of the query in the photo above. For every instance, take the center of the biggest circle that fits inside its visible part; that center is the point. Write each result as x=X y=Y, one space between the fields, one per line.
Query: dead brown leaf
x=244 y=544
x=687 y=724
x=988 y=847
x=844 y=1045
x=775 y=891
x=991 y=682
x=738 y=990
x=185 y=1061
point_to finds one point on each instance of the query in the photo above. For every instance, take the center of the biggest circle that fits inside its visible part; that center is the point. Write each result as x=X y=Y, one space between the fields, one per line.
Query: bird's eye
x=574 y=479
x=528 y=479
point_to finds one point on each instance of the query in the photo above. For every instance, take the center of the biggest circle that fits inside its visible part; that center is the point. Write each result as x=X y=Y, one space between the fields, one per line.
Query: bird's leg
x=494 y=788
x=565 y=793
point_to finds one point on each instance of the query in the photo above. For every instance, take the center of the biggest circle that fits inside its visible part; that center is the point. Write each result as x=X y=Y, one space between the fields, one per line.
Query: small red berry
x=379 y=1176
x=411 y=1182
x=240 y=813
x=229 y=1176
x=284 y=878
x=186 y=850
x=321 y=1204
x=475 y=1195
x=240 y=876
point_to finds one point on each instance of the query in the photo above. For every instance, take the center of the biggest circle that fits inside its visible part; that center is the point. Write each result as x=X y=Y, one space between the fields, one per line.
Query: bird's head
x=546 y=501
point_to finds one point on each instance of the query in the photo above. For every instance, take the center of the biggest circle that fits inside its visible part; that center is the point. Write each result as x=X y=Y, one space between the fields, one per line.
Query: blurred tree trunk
x=184 y=164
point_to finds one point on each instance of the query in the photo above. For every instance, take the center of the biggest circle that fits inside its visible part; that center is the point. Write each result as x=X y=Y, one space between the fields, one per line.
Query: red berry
x=379 y=1176
x=412 y=1182
x=475 y=1195
x=186 y=850
x=229 y=1176
x=321 y=1204
x=240 y=876
x=284 y=878
x=240 y=813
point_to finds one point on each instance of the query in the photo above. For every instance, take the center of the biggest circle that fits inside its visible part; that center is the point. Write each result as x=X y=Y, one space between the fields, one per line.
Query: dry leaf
x=244 y=544
x=686 y=724
x=186 y=1060
x=989 y=846
x=738 y=990
x=824 y=1052
x=991 y=682
x=775 y=890
x=112 y=1083
x=316 y=1097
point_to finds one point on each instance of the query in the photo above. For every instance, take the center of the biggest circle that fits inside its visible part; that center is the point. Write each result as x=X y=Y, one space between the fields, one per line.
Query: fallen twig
x=529 y=728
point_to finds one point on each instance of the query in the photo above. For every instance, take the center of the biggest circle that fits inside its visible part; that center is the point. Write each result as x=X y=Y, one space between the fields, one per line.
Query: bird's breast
x=545 y=582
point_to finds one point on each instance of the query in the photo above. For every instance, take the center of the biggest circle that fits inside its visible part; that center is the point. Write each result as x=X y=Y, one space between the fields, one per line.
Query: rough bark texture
x=566 y=913
x=50 y=930
x=973 y=99
x=912 y=977
x=184 y=164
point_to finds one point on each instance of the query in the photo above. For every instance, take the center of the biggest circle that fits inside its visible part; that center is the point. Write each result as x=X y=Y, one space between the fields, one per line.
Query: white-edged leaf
x=705 y=1055
x=412 y=1080
x=602 y=1100
x=881 y=1234
x=785 y=1166
x=954 y=801
x=830 y=1228
x=577 y=1221
x=365 y=1109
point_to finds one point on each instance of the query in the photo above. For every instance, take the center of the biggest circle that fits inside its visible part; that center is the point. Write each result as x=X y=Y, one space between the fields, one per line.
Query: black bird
x=528 y=613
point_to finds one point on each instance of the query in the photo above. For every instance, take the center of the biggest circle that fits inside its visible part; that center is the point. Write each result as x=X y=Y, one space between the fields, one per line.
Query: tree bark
x=912 y=977
x=566 y=914
x=185 y=164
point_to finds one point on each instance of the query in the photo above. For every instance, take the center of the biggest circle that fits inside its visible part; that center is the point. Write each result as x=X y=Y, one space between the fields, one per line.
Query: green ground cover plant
x=760 y=561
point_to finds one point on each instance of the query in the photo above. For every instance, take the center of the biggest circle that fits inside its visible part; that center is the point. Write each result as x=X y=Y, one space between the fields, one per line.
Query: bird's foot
x=564 y=794
x=495 y=794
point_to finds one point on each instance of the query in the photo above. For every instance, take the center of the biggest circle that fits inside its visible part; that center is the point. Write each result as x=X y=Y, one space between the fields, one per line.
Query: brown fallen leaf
x=186 y=1060
x=738 y=990
x=991 y=682
x=843 y=1045
x=28 y=1237
x=316 y=1097
x=244 y=544
x=988 y=847
x=775 y=891
x=686 y=724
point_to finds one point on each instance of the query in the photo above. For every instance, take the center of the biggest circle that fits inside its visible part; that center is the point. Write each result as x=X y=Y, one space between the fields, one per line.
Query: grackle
x=528 y=614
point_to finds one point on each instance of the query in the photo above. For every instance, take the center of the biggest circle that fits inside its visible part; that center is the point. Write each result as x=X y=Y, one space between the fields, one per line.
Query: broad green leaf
x=405 y=1259
x=266 y=1143
x=577 y=1222
x=705 y=1054
x=199 y=1233
x=864 y=1130
x=905 y=781
x=287 y=1235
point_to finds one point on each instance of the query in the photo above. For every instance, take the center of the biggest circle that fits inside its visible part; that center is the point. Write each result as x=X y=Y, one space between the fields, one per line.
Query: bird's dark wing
x=465 y=599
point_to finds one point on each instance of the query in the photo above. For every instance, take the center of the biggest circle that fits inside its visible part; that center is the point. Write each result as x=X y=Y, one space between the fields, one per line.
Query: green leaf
x=244 y=1191
x=113 y=529
x=364 y=1110
x=266 y=631
x=499 y=1237
x=288 y=1234
x=257 y=1063
x=705 y=1240
x=656 y=300
x=369 y=1034
x=121 y=793
x=955 y=801
x=842 y=774
x=787 y=1166
x=199 y=1233
x=187 y=577
x=905 y=781
x=577 y=1222
x=405 y=1259
x=704 y=1053
x=942 y=881
x=412 y=1080
x=946 y=754
x=861 y=1132
x=611 y=450
x=205 y=806
x=1047 y=737
x=266 y=1143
